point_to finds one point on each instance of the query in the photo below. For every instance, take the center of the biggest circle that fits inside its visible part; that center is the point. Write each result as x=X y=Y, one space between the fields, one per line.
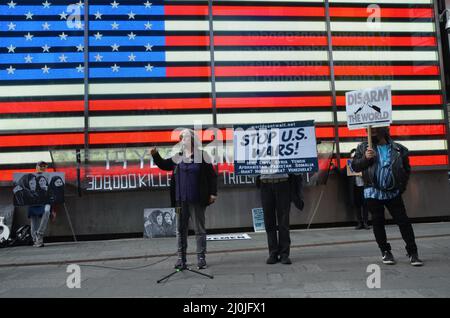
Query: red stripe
x=273 y=40
x=269 y=11
x=387 y=70
x=112 y=138
x=384 y=12
x=40 y=107
x=188 y=71
x=245 y=11
x=132 y=137
x=265 y=102
x=202 y=10
x=185 y=10
x=406 y=100
x=150 y=104
x=396 y=131
x=383 y=41
x=41 y=140
x=272 y=70
x=419 y=161
x=260 y=40
x=7 y=175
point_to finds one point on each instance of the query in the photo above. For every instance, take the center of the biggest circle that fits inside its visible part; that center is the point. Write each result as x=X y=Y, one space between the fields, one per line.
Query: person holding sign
x=193 y=188
x=385 y=169
x=277 y=193
x=39 y=214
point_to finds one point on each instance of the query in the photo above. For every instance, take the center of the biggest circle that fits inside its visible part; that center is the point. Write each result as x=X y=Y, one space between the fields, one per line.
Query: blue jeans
x=39 y=223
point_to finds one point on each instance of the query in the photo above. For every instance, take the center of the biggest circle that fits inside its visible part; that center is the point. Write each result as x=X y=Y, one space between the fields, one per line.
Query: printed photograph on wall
x=159 y=222
x=38 y=188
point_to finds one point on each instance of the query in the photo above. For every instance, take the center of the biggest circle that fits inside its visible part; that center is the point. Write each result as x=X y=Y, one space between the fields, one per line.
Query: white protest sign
x=369 y=107
x=275 y=148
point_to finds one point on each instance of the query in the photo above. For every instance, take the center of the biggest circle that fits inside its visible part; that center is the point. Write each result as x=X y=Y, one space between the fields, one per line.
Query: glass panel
x=41 y=76
x=381 y=43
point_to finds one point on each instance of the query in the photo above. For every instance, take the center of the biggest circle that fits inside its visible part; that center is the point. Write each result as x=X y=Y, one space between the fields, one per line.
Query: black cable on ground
x=128 y=268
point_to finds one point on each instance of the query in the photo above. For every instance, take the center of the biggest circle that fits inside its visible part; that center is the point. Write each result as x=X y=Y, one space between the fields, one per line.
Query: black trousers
x=362 y=214
x=276 y=204
x=396 y=208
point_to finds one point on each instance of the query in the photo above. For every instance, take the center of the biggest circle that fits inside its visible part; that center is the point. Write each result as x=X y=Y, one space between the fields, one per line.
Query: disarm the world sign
x=369 y=107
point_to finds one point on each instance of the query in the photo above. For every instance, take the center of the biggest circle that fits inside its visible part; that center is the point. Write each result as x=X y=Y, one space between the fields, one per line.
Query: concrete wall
x=428 y=195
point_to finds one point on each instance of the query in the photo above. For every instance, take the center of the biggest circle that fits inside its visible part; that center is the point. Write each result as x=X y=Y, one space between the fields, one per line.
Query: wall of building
x=428 y=195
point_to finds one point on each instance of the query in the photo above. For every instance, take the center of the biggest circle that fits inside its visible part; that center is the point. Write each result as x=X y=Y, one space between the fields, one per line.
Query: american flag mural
x=150 y=71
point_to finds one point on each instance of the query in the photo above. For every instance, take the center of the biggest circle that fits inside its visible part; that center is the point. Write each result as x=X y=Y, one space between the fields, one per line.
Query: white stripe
x=412 y=145
x=220 y=56
x=382 y=27
x=274 y=86
x=41 y=123
x=150 y=88
x=205 y=87
x=24 y=157
x=106 y=89
x=269 y=26
x=195 y=25
x=42 y=90
x=405 y=115
x=383 y=1
x=149 y=121
x=396 y=85
x=385 y=56
x=252 y=118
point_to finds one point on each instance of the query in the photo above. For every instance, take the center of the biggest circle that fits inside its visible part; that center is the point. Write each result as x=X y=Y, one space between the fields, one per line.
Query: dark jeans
x=397 y=209
x=195 y=211
x=362 y=213
x=276 y=204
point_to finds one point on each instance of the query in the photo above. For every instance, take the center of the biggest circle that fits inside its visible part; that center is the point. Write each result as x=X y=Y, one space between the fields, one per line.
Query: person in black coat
x=193 y=187
x=385 y=171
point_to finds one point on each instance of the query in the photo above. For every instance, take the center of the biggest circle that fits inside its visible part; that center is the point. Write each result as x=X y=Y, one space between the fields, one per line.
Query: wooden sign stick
x=369 y=136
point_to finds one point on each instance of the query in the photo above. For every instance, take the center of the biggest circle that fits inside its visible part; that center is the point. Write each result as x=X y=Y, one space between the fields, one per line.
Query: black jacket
x=399 y=162
x=295 y=189
x=207 y=178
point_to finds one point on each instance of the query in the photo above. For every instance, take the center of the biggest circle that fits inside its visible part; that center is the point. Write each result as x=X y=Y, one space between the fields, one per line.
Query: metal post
x=332 y=82
x=441 y=72
x=86 y=82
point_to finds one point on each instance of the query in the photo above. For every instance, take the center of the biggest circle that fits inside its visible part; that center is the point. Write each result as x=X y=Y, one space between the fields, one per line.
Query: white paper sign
x=228 y=237
x=258 y=220
x=369 y=107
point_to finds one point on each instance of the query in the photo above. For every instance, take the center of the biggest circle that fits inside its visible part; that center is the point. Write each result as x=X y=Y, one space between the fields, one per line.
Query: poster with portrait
x=38 y=188
x=159 y=222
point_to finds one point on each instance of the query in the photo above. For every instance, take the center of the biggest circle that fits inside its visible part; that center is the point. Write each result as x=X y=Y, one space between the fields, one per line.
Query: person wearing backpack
x=385 y=169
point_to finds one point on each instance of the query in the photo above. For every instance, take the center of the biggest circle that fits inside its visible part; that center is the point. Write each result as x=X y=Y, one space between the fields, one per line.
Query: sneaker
x=388 y=258
x=180 y=264
x=39 y=241
x=415 y=261
x=366 y=226
x=285 y=260
x=201 y=263
x=273 y=259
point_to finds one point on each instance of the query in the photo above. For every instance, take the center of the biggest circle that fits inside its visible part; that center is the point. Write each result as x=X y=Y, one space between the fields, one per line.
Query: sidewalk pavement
x=326 y=263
